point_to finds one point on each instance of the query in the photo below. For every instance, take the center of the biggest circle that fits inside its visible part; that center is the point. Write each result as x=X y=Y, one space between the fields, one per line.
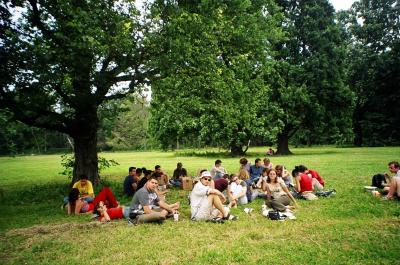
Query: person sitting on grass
x=163 y=180
x=222 y=183
x=256 y=171
x=130 y=182
x=179 y=173
x=78 y=205
x=237 y=191
x=146 y=206
x=244 y=164
x=394 y=188
x=278 y=195
x=217 y=171
x=105 y=214
x=303 y=184
x=146 y=177
x=318 y=181
x=207 y=202
x=284 y=174
x=85 y=189
x=267 y=163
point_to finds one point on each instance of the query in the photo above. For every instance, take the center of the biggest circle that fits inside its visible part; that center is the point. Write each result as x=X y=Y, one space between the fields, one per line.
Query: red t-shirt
x=114 y=213
x=305 y=183
x=315 y=175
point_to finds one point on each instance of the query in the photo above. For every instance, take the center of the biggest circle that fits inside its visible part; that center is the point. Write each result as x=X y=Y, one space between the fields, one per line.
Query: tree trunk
x=237 y=150
x=283 y=142
x=85 y=150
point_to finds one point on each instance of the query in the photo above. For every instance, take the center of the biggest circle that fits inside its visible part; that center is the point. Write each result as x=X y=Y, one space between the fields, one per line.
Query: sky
x=341 y=4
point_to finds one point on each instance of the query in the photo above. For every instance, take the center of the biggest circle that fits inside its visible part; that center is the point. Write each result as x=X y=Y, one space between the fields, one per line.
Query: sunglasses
x=208 y=179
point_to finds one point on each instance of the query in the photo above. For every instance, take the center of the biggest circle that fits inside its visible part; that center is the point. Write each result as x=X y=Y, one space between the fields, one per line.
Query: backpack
x=377 y=180
x=274 y=215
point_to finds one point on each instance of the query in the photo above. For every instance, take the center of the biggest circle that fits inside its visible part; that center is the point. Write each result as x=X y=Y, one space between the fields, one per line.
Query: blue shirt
x=255 y=172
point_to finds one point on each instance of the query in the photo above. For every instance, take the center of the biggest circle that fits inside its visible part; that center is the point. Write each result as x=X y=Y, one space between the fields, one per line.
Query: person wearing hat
x=207 y=202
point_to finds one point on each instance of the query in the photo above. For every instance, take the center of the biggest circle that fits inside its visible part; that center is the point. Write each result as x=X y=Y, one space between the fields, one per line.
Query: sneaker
x=233 y=217
x=132 y=221
x=216 y=220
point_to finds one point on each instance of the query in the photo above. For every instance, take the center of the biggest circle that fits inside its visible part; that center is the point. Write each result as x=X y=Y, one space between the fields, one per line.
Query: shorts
x=207 y=212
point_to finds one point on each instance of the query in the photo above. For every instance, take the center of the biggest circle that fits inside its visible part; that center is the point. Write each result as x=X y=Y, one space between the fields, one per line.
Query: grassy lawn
x=351 y=228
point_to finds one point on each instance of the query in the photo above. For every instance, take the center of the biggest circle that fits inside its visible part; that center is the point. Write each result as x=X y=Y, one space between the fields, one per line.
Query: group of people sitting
x=214 y=193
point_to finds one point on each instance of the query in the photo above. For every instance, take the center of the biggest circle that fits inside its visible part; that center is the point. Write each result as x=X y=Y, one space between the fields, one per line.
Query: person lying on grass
x=78 y=205
x=278 y=195
x=105 y=214
x=147 y=207
x=207 y=202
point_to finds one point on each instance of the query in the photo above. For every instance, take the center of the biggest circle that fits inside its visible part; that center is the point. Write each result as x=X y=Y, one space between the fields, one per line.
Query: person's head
x=132 y=171
x=296 y=171
x=83 y=179
x=218 y=163
x=243 y=174
x=205 y=178
x=272 y=177
x=147 y=173
x=266 y=161
x=233 y=178
x=265 y=171
x=394 y=166
x=139 y=172
x=243 y=161
x=226 y=176
x=157 y=168
x=257 y=162
x=73 y=196
x=279 y=170
x=156 y=175
x=302 y=168
x=201 y=171
x=152 y=183
x=179 y=165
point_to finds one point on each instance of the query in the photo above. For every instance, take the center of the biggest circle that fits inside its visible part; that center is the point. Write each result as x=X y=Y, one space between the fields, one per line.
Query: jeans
x=176 y=182
x=87 y=199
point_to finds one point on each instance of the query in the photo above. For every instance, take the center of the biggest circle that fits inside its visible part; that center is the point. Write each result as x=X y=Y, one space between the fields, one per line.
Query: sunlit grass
x=351 y=228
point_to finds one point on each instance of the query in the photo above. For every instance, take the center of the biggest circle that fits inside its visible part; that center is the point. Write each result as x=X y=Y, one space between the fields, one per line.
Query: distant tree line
x=222 y=73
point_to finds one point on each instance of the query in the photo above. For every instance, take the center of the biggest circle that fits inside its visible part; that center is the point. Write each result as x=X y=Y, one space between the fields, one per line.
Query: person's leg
x=216 y=203
x=106 y=195
x=280 y=203
x=152 y=217
x=317 y=186
x=242 y=200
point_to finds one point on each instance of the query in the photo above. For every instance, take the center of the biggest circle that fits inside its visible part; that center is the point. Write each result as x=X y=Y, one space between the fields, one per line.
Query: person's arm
x=230 y=196
x=217 y=192
x=298 y=188
x=285 y=189
x=165 y=206
x=104 y=217
x=69 y=209
x=147 y=209
x=78 y=206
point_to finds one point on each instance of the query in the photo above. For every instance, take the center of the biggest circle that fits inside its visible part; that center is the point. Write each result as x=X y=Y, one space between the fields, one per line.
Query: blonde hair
x=243 y=174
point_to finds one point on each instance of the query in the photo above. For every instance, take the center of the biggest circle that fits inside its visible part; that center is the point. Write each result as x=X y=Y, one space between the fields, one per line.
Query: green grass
x=351 y=228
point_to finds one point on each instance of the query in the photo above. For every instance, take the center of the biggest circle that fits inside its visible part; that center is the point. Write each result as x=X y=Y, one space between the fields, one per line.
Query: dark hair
x=201 y=171
x=243 y=161
x=268 y=179
x=147 y=173
x=73 y=196
x=95 y=211
x=139 y=171
x=295 y=171
x=226 y=176
x=218 y=161
x=179 y=165
x=155 y=175
x=157 y=167
x=257 y=160
x=302 y=168
x=131 y=169
x=144 y=169
x=394 y=163
x=83 y=176
x=265 y=170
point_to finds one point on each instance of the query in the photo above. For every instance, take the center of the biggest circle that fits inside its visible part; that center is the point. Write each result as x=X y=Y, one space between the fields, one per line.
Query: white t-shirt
x=198 y=199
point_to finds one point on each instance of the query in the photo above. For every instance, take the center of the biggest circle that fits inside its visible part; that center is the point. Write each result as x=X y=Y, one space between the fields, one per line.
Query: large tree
x=213 y=57
x=61 y=59
x=308 y=82
x=373 y=69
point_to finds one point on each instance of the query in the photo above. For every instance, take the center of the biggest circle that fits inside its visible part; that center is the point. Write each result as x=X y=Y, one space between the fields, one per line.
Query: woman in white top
x=237 y=191
x=278 y=195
